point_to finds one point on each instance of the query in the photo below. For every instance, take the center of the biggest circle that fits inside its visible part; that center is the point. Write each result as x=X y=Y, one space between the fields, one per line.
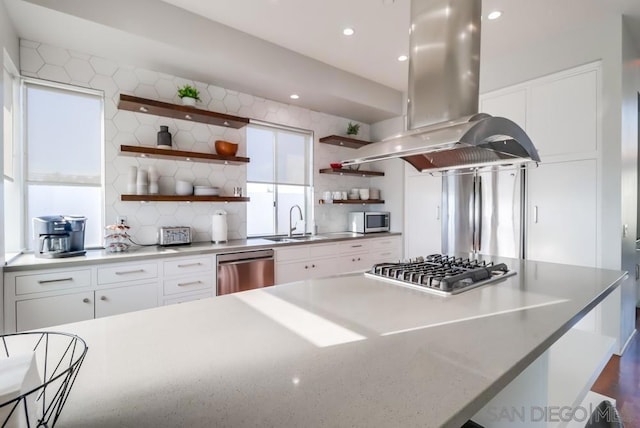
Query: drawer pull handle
x=190 y=264
x=385 y=254
x=313 y=266
x=358 y=258
x=353 y=260
x=184 y=284
x=127 y=272
x=103 y=298
x=86 y=300
x=306 y=267
x=356 y=246
x=48 y=281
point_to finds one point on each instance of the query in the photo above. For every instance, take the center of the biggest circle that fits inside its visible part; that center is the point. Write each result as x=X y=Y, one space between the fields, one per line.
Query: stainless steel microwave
x=369 y=221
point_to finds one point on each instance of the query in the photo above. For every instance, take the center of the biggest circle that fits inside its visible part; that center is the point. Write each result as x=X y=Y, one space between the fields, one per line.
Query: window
x=279 y=176
x=63 y=148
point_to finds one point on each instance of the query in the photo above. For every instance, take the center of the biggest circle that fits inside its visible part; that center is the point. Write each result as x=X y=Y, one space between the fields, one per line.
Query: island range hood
x=445 y=130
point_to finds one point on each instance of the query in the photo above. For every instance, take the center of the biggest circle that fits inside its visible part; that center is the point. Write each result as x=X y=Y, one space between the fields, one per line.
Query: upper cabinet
x=564 y=115
x=159 y=108
x=560 y=113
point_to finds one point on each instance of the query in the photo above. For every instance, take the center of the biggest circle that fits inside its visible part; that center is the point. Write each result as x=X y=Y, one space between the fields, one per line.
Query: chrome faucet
x=291 y=229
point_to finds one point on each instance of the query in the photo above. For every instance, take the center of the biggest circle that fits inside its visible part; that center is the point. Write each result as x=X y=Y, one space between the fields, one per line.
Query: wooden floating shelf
x=342 y=171
x=179 y=198
x=355 y=201
x=338 y=140
x=159 y=108
x=153 y=152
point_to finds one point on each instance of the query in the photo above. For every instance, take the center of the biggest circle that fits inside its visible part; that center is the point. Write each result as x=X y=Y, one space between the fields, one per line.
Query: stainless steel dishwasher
x=244 y=270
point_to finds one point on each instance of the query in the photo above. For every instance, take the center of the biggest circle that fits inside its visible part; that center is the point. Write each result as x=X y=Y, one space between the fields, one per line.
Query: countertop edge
x=194 y=249
x=476 y=405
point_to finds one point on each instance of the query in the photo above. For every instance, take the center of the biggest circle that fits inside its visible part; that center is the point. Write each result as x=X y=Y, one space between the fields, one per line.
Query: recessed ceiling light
x=294 y=96
x=494 y=15
x=403 y=58
x=348 y=31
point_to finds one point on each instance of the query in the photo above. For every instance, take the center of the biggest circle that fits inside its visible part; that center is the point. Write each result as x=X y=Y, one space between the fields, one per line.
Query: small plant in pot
x=189 y=95
x=353 y=128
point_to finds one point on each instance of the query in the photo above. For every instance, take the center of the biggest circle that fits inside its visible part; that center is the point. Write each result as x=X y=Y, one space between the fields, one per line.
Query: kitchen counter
x=340 y=351
x=29 y=261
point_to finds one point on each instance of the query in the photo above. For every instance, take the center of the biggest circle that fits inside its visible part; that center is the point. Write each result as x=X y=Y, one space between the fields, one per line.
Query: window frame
x=24 y=151
x=309 y=207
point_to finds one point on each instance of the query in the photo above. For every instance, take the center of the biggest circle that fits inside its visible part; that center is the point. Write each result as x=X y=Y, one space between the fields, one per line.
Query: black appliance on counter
x=58 y=236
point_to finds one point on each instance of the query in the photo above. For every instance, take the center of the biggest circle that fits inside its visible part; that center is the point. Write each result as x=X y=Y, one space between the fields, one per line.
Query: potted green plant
x=189 y=95
x=353 y=128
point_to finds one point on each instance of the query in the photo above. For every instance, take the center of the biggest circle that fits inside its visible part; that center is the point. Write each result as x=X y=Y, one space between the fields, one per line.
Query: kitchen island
x=341 y=351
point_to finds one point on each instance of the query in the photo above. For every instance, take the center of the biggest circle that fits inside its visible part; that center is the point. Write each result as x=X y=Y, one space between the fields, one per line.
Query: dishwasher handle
x=244 y=256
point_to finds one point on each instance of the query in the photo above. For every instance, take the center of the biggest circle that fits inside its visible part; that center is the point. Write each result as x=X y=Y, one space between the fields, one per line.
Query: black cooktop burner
x=442 y=274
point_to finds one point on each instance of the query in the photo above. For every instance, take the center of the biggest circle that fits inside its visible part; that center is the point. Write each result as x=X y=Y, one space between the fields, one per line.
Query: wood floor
x=620 y=379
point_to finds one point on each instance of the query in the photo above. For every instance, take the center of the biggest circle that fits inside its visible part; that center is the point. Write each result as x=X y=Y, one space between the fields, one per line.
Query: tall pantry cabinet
x=560 y=114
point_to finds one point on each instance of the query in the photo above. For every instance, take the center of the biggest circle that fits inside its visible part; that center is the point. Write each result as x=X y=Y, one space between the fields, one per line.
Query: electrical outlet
x=121 y=219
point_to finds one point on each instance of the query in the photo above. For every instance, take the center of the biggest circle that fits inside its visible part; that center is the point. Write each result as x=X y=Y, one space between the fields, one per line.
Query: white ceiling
x=272 y=48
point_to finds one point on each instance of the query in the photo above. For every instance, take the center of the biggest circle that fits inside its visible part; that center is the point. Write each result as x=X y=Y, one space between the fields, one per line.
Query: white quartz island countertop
x=347 y=351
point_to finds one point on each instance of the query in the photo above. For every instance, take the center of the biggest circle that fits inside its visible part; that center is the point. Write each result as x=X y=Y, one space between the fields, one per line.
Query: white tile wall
x=123 y=127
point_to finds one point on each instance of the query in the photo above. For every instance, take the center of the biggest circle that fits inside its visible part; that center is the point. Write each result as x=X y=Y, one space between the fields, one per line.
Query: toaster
x=175 y=235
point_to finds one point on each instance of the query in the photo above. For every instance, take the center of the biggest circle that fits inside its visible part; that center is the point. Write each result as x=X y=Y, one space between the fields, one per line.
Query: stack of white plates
x=206 y=191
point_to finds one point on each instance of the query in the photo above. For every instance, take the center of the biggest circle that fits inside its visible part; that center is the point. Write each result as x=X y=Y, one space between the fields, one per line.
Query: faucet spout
x=292 y=228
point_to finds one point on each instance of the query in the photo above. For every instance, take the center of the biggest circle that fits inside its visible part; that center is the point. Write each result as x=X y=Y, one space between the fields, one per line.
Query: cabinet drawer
x=382 y=256
x=188 y=298
x=62 y=280
x=296 y=252
x=190 y=283
x=322 y=250
x=126 y=273
x=353 y=247
x=385 y=243
x=187 y=266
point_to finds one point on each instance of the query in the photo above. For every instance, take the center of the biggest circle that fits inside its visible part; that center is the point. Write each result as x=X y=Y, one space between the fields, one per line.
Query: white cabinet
x=354 y=256
x=563 y=114
x=422 y=230
x=188 y=278
x=511 y=104
x=302 y=262
x=43 y=312
x=562 y=213
x=114 y=301
x=47 y=297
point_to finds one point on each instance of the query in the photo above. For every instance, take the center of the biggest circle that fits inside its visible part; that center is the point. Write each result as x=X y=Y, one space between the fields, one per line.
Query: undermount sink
x=295 y=238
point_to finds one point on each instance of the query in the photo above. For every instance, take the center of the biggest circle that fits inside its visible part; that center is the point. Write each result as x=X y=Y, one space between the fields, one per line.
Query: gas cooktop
x=441 y=274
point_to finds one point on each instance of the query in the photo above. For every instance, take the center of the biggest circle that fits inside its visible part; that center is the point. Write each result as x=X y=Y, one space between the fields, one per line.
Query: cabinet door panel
x=291 y=272
x=512 y=105
x=422 y=215
x=355 y=263
x=49 y=311
x=563 y=115
x=562 y=219
x=324 y=267
x=126 y=299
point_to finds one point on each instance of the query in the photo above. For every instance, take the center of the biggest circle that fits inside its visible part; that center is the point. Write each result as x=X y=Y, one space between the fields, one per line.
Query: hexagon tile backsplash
x=124 y=127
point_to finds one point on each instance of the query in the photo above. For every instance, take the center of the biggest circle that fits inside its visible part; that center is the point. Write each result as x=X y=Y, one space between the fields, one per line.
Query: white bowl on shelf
x=364 y=194
x=184 y=188
x=206 y=191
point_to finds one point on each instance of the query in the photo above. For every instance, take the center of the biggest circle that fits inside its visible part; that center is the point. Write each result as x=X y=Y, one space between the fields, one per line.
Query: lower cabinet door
x=50 y=311
x=116 y=301
x=355 y=263
x=291 y=272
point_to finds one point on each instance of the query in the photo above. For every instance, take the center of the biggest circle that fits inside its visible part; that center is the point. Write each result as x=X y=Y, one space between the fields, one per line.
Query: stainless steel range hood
x=445 y=130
